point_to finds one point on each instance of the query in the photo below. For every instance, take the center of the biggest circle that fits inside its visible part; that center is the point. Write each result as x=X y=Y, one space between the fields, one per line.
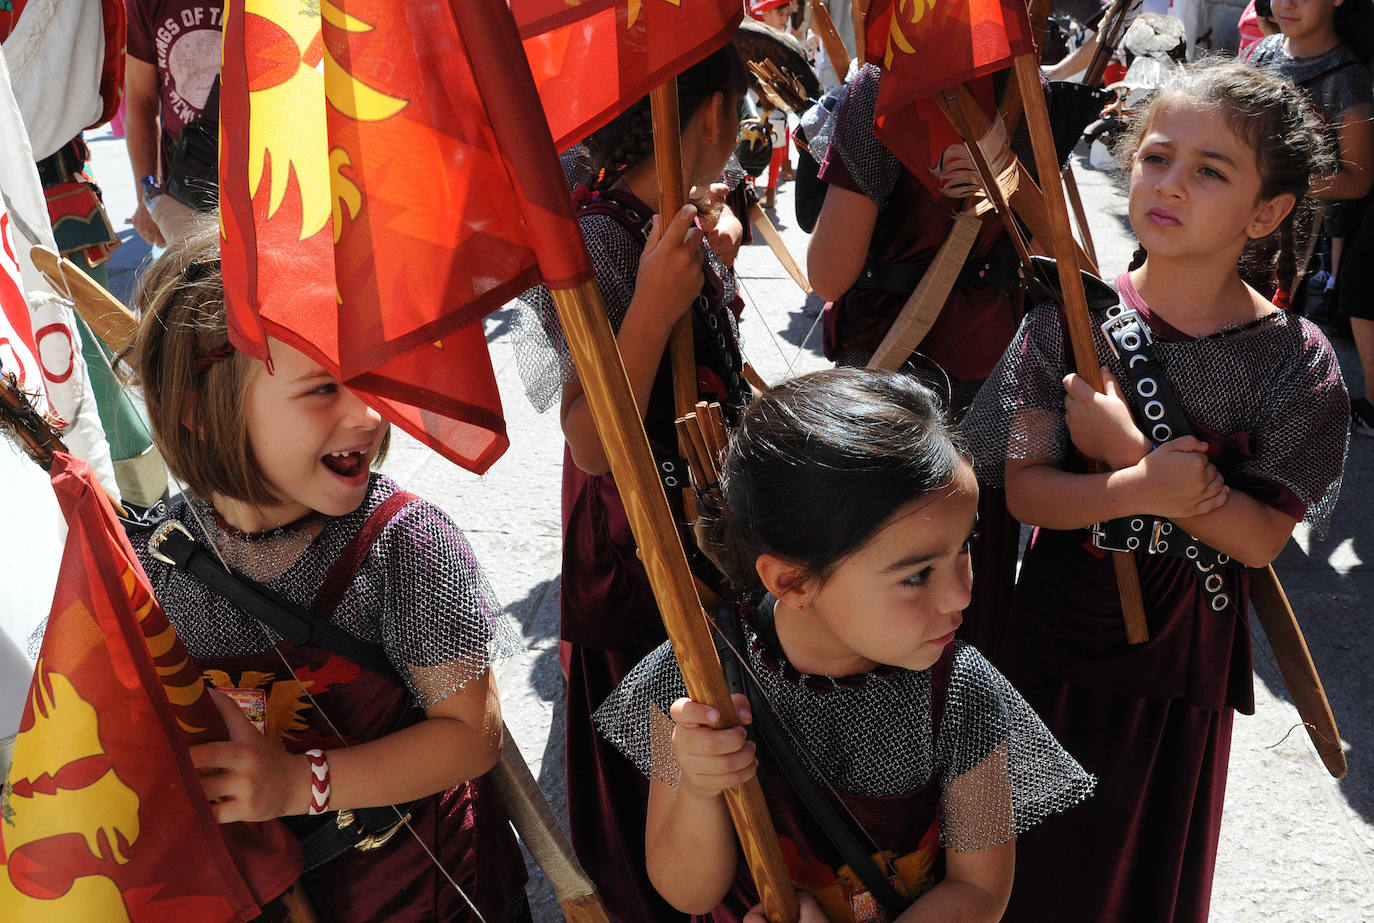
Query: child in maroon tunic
x=1218 y=160
x=848 y=509
x=277 y=472
x=649 y=277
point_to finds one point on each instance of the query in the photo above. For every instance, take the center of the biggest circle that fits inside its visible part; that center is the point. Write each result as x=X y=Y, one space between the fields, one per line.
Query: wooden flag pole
x=1063 y=249
x=668 y=162
x=622 y=434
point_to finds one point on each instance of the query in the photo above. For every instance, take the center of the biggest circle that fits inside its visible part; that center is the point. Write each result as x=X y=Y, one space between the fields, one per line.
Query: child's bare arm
x=1176 y=481
x=1250 y=531
x=669 y=278
x=977 y=882
x=689 y=841
x=459 y=739
x=975 y=889
x=839 y=244
x=1355 y=175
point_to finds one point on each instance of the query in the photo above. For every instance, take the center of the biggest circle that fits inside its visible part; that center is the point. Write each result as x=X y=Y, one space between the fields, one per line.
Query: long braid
x=1286 y=260
x=623 y=143
x=628 y=140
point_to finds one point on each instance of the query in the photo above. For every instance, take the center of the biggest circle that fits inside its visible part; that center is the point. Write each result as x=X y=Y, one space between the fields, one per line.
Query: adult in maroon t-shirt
x=174 y=53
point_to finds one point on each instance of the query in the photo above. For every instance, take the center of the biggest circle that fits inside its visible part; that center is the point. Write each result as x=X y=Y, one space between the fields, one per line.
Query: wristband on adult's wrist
x=319 y=781
x=149 y=188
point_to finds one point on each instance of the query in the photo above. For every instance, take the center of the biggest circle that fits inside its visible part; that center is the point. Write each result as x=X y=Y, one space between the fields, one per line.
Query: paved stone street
x=1296 y=845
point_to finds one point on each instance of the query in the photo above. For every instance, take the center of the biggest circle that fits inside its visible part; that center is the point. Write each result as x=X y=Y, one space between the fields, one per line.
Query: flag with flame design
x=593 y=60
x=369 y=210
x=102 y=817
x=924 y=46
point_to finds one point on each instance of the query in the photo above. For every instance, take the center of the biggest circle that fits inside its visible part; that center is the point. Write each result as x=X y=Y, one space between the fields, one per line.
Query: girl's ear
x=710 y=115
x=787 y=581
x=1270 y=215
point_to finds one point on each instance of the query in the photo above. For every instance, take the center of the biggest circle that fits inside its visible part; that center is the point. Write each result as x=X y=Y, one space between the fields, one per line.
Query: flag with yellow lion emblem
x=370 y=215
x=102 y=818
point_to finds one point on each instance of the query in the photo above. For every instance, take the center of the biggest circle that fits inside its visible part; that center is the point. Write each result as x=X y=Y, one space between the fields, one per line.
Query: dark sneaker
x=1361 y=417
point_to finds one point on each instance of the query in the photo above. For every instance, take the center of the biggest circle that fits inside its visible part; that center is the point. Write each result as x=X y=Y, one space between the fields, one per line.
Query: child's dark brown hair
x=820 y=462
x=1271 y=115
x=629 y=138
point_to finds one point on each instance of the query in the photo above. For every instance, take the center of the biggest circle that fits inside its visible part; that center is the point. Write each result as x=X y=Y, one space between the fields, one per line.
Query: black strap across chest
x=766 y=729
x=328 y=836
x=1157 y=411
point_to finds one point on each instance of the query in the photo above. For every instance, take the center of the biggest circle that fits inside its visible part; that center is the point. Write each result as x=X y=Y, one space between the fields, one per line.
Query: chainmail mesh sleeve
x=635 y=717
x=1302 y=424
x=1273 y=384
x=1001 y=770
x=442 y=625
x=1019 y=411
x=870 y=164
x=541 y=349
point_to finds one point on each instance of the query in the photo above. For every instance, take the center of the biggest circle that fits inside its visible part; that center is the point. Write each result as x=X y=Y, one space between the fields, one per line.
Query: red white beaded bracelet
x=319 y=781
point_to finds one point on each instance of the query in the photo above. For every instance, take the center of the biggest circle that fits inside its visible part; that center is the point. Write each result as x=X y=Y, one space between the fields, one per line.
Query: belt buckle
x=1099 y=538
x=161 y=534
x=345 y=820
x=1117 y=322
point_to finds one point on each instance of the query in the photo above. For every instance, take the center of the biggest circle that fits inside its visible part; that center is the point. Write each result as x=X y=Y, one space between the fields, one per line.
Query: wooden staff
x=543 y=836
x=1075 y=302
x=663 y=110
x=621 y=430
x=858 y=11
x=620 y=427
x=830 y=38
x=107 y=317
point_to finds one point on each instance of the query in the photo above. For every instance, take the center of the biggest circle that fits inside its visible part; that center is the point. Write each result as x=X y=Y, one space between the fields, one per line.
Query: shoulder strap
x=172 y=543
x=632 y=218
x=341 y=575
x=767 y=730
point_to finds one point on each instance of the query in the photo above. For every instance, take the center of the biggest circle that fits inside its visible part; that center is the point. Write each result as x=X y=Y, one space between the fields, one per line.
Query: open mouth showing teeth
x=347 y=464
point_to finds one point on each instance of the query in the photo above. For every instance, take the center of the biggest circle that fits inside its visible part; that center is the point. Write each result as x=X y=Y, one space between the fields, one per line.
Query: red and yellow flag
x=102 y=817
x=370 y=214
x=593 y=60
x=928 y=45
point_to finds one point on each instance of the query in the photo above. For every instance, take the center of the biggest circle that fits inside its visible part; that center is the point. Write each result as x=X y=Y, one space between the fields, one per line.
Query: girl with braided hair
x=651 y=270
x=1219 y=160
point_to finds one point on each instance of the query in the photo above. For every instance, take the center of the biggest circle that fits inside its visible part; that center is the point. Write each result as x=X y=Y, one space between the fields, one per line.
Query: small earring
x=801 y=606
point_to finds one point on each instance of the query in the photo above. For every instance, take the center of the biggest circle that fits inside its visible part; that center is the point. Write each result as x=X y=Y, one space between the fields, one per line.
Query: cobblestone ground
x=1296 y=845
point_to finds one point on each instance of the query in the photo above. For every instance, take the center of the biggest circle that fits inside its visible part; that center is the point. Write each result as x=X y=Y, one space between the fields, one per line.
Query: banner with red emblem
x=924 y=46
x=593 y=60
x=101 y=817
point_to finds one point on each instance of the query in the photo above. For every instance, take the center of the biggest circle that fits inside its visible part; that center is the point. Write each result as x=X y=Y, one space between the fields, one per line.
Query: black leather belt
x=1159 y=414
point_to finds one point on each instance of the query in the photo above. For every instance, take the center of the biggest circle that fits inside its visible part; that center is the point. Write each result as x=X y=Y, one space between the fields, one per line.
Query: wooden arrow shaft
x=663 y=110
